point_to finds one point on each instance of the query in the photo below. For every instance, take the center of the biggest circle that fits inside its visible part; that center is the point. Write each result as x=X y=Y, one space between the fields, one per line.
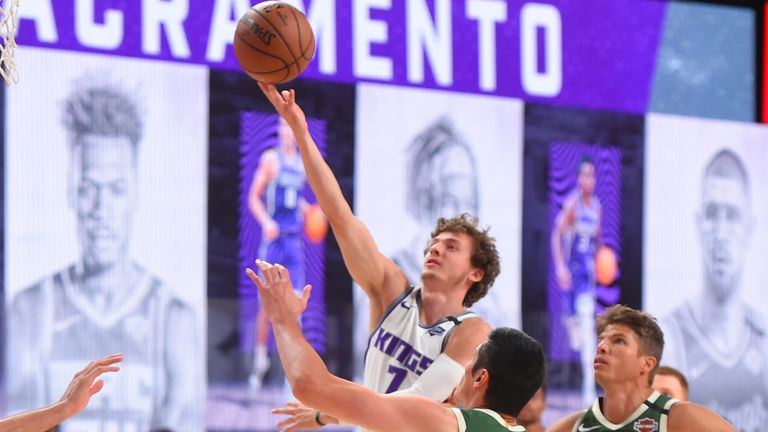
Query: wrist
x=318 y=419
x=63 y=409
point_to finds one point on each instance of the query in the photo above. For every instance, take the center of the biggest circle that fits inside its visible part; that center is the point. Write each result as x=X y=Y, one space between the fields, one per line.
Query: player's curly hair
x=485 y=255
x=422 y=195
x=102 y=110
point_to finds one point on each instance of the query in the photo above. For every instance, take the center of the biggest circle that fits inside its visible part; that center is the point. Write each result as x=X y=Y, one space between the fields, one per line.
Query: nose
x=602 y=346
x=435 y=249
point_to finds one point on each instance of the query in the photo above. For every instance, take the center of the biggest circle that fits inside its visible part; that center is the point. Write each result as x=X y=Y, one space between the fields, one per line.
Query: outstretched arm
x=315 y=386
x=381 y=279
x=84 y=385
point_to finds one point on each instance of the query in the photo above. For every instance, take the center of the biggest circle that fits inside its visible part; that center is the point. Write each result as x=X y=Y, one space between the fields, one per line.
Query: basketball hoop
x=9 y=20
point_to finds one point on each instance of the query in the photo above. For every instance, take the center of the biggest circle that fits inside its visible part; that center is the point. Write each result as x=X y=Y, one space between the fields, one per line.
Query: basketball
x=605 y=266
x=315 y=225
x=274 y=42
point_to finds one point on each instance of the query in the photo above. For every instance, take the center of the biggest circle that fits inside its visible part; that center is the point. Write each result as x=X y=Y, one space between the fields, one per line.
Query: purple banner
x=586 y=53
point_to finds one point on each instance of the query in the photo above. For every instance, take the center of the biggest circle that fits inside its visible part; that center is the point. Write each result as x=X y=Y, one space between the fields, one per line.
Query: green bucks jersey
x=482 y=420
x=651 y=416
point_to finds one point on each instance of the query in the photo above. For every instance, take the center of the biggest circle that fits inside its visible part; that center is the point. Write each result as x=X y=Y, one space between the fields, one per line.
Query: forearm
x=38 y=420
x=303 y=367
x=438 y=381
x=358 y=248
x=322 y=180
x=257 y=208
x=556 y=246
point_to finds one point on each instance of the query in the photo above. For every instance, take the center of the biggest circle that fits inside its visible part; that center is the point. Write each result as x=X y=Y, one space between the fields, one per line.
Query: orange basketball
x=315 y=225
x=274 y=42
x=605 y=266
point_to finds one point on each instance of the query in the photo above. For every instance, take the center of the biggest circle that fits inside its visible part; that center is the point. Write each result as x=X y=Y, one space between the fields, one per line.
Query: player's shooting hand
x=86 y=383
x=276 y=292
x=285 y=104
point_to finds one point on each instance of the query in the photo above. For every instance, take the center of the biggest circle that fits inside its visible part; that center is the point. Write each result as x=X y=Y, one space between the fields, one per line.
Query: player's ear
x=482 y=377
x=476 y=275
x=648 y=363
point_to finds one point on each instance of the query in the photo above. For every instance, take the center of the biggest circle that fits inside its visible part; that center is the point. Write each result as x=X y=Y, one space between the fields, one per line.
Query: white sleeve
x=438 y=381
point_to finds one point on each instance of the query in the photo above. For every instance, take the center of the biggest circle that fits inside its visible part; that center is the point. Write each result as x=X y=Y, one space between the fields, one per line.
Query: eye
x=734 y=215
x=118 y=188
x=710 y=212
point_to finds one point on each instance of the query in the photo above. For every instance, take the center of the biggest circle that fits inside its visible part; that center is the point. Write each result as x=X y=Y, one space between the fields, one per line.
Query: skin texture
x=447 y=273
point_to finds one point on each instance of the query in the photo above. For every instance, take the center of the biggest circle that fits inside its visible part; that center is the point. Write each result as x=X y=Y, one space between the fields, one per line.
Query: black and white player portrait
x=715 y=331
x=439 y=155
x=105 y=207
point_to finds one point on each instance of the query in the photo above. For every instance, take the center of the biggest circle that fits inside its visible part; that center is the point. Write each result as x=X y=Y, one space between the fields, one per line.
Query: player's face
x=618 y=356
x=447 y=259
x=452 y=183
x=724 y=225
x=104 y=192
x=669 y=385
x=586 y=179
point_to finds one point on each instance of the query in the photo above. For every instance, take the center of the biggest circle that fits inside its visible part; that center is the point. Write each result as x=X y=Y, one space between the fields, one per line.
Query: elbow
x=307 y=389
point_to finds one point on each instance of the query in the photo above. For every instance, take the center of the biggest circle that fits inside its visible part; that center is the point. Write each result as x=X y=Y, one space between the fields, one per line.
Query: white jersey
x=55 y=330
x=400 y=349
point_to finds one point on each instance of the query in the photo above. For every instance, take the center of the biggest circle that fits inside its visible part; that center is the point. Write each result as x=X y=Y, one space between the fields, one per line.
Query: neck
x=715 y=309
x=621 y=400
x=437 y=304
x=720 y=321
x=535 y=426
x=510 y=420
x=108 y=281
x=586 y=198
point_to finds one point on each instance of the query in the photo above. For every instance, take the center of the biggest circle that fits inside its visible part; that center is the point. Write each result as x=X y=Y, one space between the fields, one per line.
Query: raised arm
x=315 y=386
x=381 y=279
x=84 y=385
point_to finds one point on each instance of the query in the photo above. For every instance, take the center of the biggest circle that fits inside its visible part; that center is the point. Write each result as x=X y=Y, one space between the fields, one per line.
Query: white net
x=9 y=20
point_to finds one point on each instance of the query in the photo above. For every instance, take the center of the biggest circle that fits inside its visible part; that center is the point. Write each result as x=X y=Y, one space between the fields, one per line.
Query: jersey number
x=399 y=376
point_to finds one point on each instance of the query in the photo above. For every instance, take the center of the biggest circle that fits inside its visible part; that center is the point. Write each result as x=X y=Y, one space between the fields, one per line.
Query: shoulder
x=473 y=326
x=464 y=339
x=33 y=295
x=687 y=416
x=167 y=295
x=269 y=154
x=755 y=320
x=269 y=160
x=567 y=424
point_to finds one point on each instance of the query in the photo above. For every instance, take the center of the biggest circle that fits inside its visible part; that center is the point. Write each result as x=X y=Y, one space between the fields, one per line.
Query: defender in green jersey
x=628 y=352
x=506 y=371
